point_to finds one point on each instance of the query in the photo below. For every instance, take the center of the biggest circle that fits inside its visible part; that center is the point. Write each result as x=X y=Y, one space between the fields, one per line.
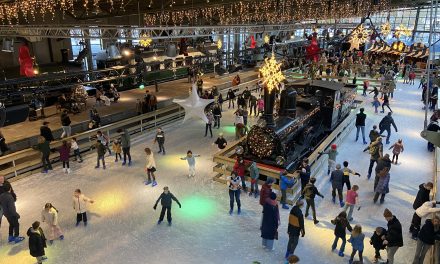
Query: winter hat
x=273 y=196
x=269 y=180
x=387 y=213
x=334 y=146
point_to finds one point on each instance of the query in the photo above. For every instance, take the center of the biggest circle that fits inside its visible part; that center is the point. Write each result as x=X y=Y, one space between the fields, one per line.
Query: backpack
x=308 y=191
x=374 y=149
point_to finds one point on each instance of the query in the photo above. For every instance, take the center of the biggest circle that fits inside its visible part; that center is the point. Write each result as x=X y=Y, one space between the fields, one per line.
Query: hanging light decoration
x=359 y=36
x=219 y=44
x=271 y=73
x=266 y=39
x=145 y=40
x=385 y=29
x=402 y=30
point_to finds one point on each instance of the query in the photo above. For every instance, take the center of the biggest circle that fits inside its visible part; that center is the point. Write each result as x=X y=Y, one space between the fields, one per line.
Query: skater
x=221 y=141
x=385 y=125
x=255 y=174
x=217 y=112
x=230 y=96
x=37 y=242
x=337 y=179
x=357 y=242
x=347 y=171
x=80 y=206
x=374 y=134
x=253 y=105
x=166 y=200
x=295 y=227
x=375 y=149
x=50 y=216
x=376 y=104
x=351 y=199
x=65 y=124
x=383 y=167
x=341 y=224
x=160 y=139
x=46 y=132
x=360 y=124
x=386 y=102
x=365 y=87
x=397 y=149
x=423 y=211
x=76 y=150
x=433 y=126
x=376 y=241
x=104 y=141
x=44 y=147
x=116 y=146
x=7 y=203
x=375 y=92
x=309 y=192
x=332 y=154
x=191 y=159
x=382 y=187
x=234 y=184
x=125 y=144
x=285 y=183
x=100 y=151
x=260 y=105
x=427 y=237
x=64 y=151
x=270 y=222
x=304 y=174
x=393 y=239
x=208 y=125
x=150 y=167
x=240 y=170
x=423 y=195
x=266 y=190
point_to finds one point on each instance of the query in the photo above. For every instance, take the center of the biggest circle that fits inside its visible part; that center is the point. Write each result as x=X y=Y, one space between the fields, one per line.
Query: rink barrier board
x=28 y=161
x=225 y=158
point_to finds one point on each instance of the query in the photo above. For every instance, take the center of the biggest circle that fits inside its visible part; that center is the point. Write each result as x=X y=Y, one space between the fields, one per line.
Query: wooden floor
x=167 y=91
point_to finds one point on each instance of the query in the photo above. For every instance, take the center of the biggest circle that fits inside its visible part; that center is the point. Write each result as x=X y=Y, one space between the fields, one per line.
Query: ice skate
x=154 y=183
x=68 y=171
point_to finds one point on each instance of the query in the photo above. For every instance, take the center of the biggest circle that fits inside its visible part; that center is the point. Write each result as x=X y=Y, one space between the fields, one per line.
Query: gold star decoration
x=219 y=44
x=385 y=29
x=271 y=73
x=402 y=30
x=266 y=39
x=145 y=40
x=359 y=36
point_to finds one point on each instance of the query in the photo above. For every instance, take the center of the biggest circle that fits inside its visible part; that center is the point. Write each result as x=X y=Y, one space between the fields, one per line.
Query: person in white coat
x=150 y=167
x=49 y=215
x=80 y=206
x=427 y=208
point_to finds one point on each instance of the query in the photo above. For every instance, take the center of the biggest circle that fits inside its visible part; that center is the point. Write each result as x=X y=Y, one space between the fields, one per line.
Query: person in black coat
x=295 y=228
x=360 y=124
x=433 y=126
x=385 y=125
x=394 y=238
x=341 y=224
x=377 y=242
x=271 y=219
x=37 y=242
x=166 y=200
x=3 y=146
x=428 y=234
x=310 y=191
x=304 y=174
x=46 y=132
x=65 y=124
x=421 y=198
x=7 y=202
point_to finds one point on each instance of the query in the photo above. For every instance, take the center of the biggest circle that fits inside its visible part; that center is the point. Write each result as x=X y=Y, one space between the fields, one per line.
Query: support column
x=269 y=102
x=415 y=24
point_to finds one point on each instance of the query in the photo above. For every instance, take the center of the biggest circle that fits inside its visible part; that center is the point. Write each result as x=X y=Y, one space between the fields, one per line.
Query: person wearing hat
x=166 y=200
x=271 y=220
x=394 y=238
x=332 y=154
x=337 y=179
x=46 y=132
x=266 y=190
x=221 y=141
x=295 y=228
x=360 y=124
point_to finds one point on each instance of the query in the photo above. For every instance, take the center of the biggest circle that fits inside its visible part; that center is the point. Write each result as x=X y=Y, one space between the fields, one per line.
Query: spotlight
x=36 y=71
x=141 y=86
x=126 y=52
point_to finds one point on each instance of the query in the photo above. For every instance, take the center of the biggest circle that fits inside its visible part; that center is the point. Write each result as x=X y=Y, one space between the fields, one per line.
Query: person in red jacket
x=240 y=170
x=265 y=191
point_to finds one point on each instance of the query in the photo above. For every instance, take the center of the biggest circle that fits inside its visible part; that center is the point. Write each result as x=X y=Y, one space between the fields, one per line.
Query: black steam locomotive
x=308 y=112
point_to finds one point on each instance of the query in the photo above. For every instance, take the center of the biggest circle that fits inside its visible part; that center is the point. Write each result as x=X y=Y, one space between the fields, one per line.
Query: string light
x=219 y=44
x=271 y=73
x=402 y=30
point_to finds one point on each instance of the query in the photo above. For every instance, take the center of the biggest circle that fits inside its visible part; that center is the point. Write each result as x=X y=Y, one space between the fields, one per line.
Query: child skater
x=397 y=149
x=351 y=200
x=37 y=242
x=80 y=206
x=64 y=151
x=116 y=146
x=50 y=216
x=76 y=151
x=377 y=242
x=191 y=159
x=341 y=223
x=357 y=242
x=376 y=104
x=100 y=151
x=150 y=167
x=166 y=200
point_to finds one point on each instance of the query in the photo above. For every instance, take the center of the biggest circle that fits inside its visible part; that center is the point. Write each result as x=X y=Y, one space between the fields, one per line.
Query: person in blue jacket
x=285 y=183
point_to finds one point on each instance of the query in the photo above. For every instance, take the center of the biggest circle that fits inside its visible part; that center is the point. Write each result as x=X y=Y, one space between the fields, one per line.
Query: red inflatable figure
x=313 y=50
x=25 y=61
x=253 y=42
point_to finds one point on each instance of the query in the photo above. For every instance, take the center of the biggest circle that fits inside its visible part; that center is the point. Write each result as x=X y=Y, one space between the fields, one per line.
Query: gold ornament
x=402 y=30
x=219 y=44
x=266 y=39
x=145 y=40
x=385 y=29
x=271 y=73
x=359 y=36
